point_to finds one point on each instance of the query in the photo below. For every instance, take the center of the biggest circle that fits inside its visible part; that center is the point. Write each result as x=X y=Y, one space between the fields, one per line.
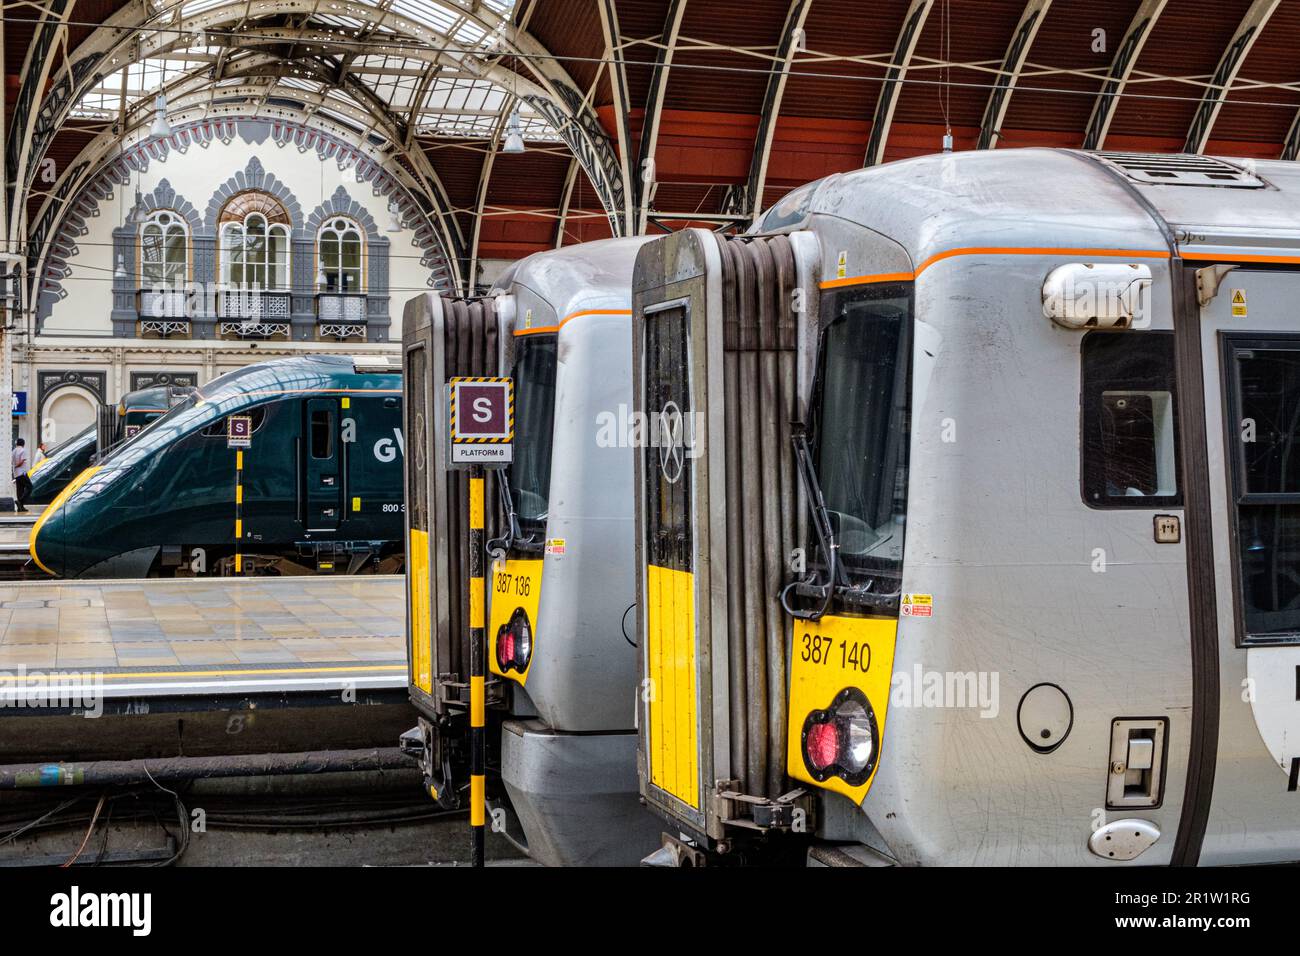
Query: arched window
x=254 y=230
x=164 y=257
x=339 y=252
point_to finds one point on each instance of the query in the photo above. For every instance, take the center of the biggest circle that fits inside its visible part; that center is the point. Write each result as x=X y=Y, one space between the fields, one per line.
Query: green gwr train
x=315 y=487
x=66 y=460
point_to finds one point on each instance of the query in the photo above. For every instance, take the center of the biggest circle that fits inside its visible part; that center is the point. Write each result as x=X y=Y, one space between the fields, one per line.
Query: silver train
x=1042 y=605
x=965 y=507
x=561 y=653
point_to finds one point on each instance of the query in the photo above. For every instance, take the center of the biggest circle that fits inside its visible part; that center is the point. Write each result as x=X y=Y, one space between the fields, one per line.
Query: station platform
x=167 y=638
x=15 y=533
x=27 y=518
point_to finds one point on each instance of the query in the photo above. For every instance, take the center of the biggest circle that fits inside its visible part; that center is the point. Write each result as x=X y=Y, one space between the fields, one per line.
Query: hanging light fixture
x=394 y=217
x=161 y=127
x=514 y=134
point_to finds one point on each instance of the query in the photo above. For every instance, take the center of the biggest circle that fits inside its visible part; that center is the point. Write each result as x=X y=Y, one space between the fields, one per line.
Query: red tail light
x=823 y=745
x=515 y=643
x=842 y=740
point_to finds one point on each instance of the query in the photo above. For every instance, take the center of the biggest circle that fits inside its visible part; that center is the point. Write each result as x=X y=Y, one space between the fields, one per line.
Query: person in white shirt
x=22 y=483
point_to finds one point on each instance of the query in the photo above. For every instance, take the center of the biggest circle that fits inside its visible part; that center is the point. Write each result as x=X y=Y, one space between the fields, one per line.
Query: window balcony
x=253 y=313
x=162 y=314
x=341 y=316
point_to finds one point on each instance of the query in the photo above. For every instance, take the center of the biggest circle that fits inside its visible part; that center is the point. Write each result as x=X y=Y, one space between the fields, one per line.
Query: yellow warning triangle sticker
x=1238 y=296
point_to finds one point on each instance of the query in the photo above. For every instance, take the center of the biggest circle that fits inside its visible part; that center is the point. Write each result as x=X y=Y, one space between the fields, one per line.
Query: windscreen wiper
x=498 y=548
x=822 y=527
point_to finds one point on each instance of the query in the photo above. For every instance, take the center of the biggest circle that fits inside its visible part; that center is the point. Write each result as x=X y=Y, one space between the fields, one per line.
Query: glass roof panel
x=455 y=104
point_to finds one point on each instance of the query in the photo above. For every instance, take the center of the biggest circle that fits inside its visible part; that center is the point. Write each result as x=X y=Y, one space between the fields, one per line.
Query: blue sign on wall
x=20 y=403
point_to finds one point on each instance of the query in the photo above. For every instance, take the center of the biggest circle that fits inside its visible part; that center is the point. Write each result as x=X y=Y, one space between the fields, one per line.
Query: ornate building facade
x=243 y=239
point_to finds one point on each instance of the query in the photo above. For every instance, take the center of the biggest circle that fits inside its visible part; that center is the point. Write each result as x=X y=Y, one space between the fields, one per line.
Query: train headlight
x=515 y=642
x=841 y=741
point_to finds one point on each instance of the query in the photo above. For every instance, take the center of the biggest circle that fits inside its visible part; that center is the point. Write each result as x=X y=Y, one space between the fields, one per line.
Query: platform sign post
x=239 y=435
x=480 y=435
x=477 y=671
x=480 y=421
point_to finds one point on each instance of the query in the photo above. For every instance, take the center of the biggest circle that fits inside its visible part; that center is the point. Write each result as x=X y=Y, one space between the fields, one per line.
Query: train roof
x=252 y=385
x=1060 y=198
x=592 y=275
x=308 y=373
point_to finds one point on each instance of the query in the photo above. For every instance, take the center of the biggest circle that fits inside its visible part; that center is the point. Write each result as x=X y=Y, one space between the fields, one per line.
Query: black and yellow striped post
x=239 y=510
x=477 y=671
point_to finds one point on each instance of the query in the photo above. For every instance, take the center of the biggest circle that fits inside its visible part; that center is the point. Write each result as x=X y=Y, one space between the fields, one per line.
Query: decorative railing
x=164 y=328
x=253 y=305
x=161 y=305
x=341 y=331
x=254 y=313
x=337 y=308
x=252 y=329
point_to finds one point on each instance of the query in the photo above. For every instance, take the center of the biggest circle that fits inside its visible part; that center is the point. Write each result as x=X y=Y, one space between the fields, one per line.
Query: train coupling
x=676 y=854
x=790 y=811
x=425 y=745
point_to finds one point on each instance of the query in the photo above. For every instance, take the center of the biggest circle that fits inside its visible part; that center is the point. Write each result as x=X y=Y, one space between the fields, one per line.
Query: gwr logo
x=387 y=449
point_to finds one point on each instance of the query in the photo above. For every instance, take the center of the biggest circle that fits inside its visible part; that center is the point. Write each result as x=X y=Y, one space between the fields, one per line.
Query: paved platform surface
x=206 y=635
x=16 y=531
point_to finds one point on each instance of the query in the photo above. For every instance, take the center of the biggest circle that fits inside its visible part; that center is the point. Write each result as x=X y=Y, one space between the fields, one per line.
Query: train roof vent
x=1181 y=169
x=372 y=363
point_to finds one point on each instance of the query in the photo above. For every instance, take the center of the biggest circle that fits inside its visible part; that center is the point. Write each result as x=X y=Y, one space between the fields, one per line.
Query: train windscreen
x=530 y=473
x=69 y=442
x=861 y=425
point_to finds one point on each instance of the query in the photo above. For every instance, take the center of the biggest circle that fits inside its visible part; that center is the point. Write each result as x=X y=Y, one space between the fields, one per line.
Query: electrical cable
x=408 y=44
x=89 y=830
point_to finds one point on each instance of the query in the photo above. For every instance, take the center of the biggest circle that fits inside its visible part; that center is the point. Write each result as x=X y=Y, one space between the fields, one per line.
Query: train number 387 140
x=850 y=655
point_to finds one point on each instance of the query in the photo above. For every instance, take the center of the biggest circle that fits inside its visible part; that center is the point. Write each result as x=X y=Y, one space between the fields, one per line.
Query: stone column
x=302 y=308
x=124 y=314
x=204 y=321
x=378 y=319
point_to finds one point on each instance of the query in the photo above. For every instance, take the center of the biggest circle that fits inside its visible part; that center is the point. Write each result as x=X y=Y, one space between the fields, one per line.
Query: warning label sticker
x=1238 y=303
x=555 y=546
x=917 y=605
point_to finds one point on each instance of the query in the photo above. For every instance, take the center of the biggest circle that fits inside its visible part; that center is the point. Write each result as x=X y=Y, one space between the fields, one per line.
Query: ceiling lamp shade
x=514 y=135
x=161 y=127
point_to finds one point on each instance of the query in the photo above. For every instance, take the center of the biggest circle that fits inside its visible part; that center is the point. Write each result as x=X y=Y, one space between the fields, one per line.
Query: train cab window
x=417 y=383
x=1263 y=380
x=322 y=433
x=1130 y=433
x=861 y=423
x=530 y=472
x=218 y=429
